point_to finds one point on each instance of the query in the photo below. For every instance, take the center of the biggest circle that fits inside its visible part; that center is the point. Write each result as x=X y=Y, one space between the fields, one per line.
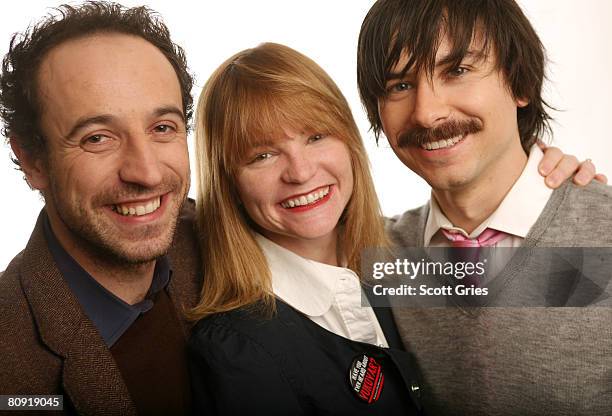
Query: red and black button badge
x=366 y=378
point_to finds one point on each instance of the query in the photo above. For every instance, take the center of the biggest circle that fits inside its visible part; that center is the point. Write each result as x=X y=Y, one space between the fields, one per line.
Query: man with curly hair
x=95 y=101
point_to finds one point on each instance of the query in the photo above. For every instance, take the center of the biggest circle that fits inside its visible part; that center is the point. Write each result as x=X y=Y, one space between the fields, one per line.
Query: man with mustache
x=456 y=87
x=96 y=101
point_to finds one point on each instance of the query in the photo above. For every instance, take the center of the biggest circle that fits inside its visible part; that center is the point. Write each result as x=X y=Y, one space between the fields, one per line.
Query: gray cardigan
x=518 y=361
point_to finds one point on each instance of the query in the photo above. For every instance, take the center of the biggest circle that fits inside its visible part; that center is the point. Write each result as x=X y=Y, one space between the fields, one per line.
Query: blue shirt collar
x=110 y=315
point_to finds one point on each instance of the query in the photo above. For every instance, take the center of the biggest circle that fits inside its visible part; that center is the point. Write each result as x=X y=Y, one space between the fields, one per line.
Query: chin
x=137 y=250
x=447 y=181
x=139 y=254
x=315 y=234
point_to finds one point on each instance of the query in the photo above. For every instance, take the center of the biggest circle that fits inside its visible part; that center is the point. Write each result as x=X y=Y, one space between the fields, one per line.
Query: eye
x=97 y=142
x=164 y=132
x=316 y=137
x=260 y=157
x=458 y=71
x=164 y=128
x=401 y=86
x=96 y=139
x=397 y=89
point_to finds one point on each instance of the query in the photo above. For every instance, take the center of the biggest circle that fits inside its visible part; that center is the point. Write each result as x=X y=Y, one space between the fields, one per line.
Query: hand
x=556 y=167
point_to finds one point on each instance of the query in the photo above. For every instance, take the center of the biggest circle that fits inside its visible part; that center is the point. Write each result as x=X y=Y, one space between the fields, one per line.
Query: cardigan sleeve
x=233 y=374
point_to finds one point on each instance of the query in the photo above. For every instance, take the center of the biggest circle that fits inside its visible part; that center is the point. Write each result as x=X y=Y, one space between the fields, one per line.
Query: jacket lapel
x=184 y=287
x=90 y=376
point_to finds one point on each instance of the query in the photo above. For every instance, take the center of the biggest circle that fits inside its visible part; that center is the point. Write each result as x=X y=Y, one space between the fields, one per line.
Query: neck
x=471 y=204
x=323 y=249
x=129 y=282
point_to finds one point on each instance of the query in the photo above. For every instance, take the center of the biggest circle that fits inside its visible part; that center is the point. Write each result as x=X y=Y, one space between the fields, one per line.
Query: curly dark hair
x=19 y=106
x=416 y=27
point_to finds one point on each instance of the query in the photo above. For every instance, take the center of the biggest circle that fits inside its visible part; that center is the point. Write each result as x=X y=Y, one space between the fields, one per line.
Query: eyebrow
x=444 y=61
x=109 y=118
x=266 y=142
x=169 y=109
x=87 y=121
x=471 y=54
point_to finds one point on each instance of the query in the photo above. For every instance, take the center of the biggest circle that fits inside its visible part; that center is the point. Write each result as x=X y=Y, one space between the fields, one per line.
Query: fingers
x=562 y=171
x=552 y=157
x=556 y=167
x=600 y=177
x=586 y=173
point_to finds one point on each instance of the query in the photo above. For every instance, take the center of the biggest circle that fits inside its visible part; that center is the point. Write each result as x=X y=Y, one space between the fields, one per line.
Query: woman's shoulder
x=250 y=323
x=232 y=353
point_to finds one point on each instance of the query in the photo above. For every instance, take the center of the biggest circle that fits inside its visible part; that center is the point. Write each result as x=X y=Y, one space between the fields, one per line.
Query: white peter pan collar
x=306 y=285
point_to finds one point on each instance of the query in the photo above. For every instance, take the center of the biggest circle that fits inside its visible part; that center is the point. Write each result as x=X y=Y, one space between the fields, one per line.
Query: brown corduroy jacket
x=47 y=343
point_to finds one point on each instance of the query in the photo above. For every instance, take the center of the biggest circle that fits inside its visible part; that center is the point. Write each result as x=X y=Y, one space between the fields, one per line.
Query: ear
x=34 y=169
x=522 y=102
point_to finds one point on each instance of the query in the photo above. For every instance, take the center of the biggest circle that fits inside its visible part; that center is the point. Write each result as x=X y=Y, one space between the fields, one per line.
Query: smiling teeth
x=305 y=199
x=138 y=210
x=442 y=144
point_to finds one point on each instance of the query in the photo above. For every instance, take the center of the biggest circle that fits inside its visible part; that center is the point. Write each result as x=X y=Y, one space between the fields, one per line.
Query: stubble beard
x=95 y=233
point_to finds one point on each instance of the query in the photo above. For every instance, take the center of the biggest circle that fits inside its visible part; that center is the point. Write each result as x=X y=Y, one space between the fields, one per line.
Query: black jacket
x=242 y=363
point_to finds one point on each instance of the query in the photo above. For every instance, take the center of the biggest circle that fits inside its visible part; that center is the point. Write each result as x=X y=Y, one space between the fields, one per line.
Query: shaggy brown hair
x=416 y=27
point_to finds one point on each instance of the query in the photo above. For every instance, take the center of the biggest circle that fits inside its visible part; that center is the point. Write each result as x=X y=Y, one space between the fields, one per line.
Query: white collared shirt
x=329 y=296
x=516 y=214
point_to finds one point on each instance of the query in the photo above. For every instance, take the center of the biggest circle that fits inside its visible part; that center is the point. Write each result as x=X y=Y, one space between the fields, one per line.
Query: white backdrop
x=576 y=34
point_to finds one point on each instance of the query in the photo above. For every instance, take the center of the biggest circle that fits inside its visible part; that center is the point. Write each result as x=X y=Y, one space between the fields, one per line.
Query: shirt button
x=415 y=388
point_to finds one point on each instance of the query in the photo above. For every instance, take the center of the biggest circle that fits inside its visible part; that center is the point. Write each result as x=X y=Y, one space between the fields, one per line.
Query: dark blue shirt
x=110 y=315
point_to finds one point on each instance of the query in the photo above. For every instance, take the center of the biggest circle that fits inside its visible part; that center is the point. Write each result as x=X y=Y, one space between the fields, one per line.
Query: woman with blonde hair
x=284 y=174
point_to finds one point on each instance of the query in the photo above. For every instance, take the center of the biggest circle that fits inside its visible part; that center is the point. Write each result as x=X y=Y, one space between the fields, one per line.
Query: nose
x=140 y=162
x=299 y=167
x=430 y=106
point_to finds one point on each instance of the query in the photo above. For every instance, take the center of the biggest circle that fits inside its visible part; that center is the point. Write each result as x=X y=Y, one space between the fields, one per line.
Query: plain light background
x=576 y=34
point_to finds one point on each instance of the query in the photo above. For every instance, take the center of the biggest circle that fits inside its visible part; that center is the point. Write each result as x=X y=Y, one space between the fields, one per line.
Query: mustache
x=419 y=135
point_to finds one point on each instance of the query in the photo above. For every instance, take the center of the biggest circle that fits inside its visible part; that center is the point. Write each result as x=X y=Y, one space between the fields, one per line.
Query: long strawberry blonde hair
x=249 y=97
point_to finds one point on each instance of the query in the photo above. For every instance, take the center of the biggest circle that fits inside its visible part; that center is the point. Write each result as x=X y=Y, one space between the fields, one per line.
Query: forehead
x=449 y=51
x=113 y=73
x=278 y=136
